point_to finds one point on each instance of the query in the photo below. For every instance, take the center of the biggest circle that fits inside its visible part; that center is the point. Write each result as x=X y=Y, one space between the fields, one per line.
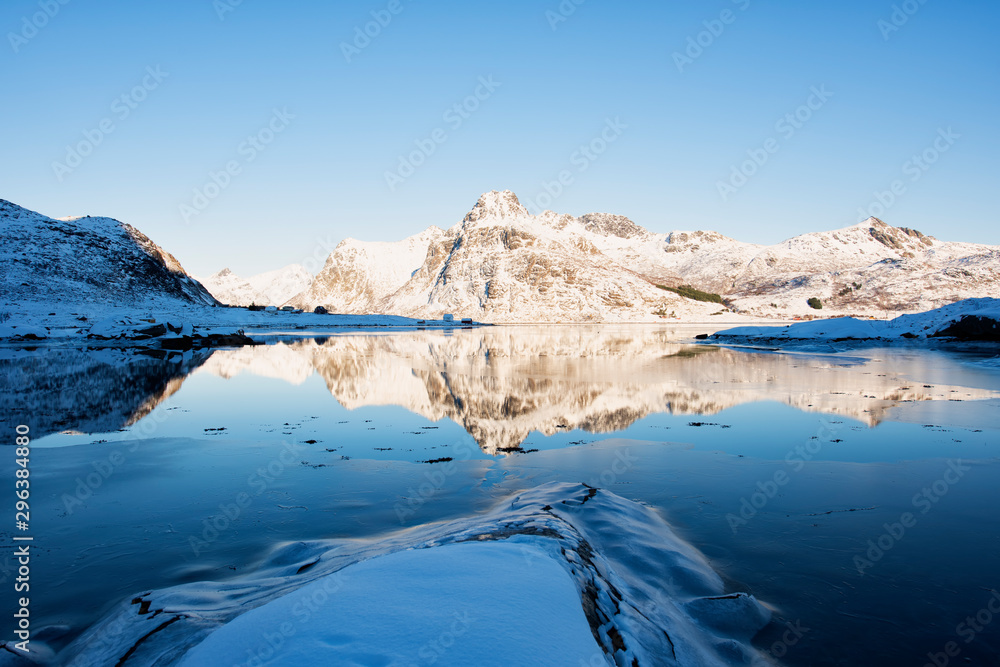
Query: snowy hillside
x=970 y=319
x=501 y=264
x=76 y=261
x=271 y=288
x=103 y=279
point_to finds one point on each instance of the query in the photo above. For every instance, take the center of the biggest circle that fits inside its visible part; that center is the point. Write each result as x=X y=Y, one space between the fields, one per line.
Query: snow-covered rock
x=953 y=320
x=558 y=574
x=501 y=264
x=22 y=331
x=376 y=615
x=138 y=329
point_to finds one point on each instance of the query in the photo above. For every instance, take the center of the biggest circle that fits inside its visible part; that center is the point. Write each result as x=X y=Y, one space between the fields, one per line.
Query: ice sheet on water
x=583 y=570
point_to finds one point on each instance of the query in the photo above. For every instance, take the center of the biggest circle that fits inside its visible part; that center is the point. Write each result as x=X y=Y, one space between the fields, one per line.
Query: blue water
x=331 y=440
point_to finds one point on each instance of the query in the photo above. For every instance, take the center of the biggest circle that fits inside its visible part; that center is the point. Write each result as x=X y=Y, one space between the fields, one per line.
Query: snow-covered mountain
x=358 y=275
x=229 y=288
x=501 y=264
x=271 y=288
x=280 y=285
x=84 y=260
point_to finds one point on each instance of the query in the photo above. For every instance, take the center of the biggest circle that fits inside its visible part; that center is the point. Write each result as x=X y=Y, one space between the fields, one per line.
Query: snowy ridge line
x=647 y=597
x=271 y=288
x=502 y=264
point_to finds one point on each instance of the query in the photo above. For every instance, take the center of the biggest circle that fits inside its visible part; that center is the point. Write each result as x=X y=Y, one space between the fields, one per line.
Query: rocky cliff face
x=501 y=264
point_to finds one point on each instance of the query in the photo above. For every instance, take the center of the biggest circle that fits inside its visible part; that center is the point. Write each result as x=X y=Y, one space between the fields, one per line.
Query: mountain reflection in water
x=500 y=383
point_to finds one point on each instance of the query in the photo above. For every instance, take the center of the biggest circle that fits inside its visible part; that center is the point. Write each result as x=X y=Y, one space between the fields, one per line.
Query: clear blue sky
x=323 y=175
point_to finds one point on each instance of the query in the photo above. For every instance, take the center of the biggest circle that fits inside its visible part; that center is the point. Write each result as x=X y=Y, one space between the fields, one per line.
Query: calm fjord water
x=790 y=470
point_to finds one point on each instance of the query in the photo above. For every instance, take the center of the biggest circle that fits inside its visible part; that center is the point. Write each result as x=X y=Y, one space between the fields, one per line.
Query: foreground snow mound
x=22 y=332
x=969 y=319
x=559 y=574
x=384 y=613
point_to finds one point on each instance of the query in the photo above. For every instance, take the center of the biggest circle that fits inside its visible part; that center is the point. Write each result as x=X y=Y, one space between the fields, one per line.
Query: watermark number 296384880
x=22 y=540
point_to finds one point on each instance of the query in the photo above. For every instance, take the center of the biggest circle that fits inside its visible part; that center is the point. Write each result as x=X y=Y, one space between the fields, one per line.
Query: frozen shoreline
x=159 y=322
x=968 y=320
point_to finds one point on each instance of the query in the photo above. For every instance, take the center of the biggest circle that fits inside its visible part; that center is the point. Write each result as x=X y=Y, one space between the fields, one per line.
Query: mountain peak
x=893 y=237
x=607 y=224
x=494 y=204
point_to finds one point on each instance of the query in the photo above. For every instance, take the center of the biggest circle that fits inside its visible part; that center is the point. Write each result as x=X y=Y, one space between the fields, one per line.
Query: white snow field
x=917 y=325
x=562 y=574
